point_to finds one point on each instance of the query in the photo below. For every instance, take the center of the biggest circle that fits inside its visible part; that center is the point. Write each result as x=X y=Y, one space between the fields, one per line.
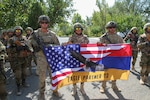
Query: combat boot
x=57 y=94
x=24 y=84
x=114 y=87
x=133 y=68
x=18 y=90
x=147 y=80
x=41 y=96
x=102 y=88
x=82 y=88
x=74 y=89
x=142 y=80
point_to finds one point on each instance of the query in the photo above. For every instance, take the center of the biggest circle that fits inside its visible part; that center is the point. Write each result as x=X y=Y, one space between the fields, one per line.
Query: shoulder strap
x=106 y=37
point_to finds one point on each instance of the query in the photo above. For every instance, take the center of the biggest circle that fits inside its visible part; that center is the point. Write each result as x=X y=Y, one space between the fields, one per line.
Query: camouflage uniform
x=133 y=38
x=144 y=46
x=18 y=47
x=4 y=37
x=78 y=38
x=37 y=40
x=30 y=56
x=110 y=38
x=3 y=92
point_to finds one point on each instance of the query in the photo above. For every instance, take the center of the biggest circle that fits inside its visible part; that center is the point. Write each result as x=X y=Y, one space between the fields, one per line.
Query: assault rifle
x=87 y=62
x=39 y=41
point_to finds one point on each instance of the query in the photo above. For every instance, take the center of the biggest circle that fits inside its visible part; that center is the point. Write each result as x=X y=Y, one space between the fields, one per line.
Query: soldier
x=18 y=48
x=10 y=33
x=110 y=37
x=78 y=38
x=4 y=37
x=29 y=31
x=144 y=46
x=133 y=38
x=43 y=37
x=3 y=92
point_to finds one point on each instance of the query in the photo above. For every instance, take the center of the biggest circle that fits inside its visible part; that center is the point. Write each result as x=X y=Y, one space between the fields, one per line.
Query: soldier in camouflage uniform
x=3 y=92
x=4 y=37
x=144 y=46
x=133 y=38
x=10 y=33
x=18 y=49
x=43 y=37
x=78 y=38
x=29 y=31
x=110 y=37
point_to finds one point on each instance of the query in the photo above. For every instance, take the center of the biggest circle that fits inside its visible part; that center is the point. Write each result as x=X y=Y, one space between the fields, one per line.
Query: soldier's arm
x=141 y=43
x=86 y=40
x=56 y=41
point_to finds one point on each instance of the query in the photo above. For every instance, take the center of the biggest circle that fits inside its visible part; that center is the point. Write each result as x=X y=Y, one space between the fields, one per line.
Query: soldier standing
x=78 y=38
x=3 y=92
x=29 y=31
x=110 y=37
x=4 y=37
x=144 y=46
x=43 y=37
x=18 y=47
x=133 y=39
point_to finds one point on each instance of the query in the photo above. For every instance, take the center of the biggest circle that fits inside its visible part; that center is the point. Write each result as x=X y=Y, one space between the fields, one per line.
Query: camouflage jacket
x=110 y=39
x=142 y=45
x=133 y=39
x=78 y=39
x=38 y=39
x=17 y=47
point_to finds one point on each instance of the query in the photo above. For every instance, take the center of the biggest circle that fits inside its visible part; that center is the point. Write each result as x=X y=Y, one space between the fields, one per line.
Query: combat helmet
x=146 y=26
x=111 y=24
x=10 y=30
x=43 y=18
x=77 y=25
x=19 y=28
x=133 y=28
x=29 y=28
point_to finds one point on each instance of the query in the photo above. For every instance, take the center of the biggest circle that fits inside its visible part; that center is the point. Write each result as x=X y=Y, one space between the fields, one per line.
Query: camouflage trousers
x=134 y=56
x=42 y=67
x=145 y=65
x=20 y=70
x=3 y=92
x=29 y=61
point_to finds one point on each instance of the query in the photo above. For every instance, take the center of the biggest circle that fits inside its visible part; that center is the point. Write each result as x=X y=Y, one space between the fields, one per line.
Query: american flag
x=62 y=63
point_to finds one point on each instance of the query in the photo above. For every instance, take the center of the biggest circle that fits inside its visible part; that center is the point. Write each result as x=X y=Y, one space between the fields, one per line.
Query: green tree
x=35 y=12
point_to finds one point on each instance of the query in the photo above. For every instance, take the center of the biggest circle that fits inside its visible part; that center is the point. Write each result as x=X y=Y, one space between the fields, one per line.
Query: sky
x=87 y=7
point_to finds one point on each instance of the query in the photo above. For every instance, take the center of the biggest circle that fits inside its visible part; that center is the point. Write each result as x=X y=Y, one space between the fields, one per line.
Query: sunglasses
x=78 y=28
x=18 y=31
x=111 y=27
x=44 y=22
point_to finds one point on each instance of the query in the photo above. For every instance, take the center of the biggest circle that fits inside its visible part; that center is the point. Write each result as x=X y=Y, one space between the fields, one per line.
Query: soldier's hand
x=18 y=43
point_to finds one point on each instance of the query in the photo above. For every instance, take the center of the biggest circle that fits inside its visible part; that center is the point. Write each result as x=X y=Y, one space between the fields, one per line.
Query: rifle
x=39 y=42
x=87 y=62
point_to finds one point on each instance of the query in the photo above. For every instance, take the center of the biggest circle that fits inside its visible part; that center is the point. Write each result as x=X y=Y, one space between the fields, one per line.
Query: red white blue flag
x=62 y=64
